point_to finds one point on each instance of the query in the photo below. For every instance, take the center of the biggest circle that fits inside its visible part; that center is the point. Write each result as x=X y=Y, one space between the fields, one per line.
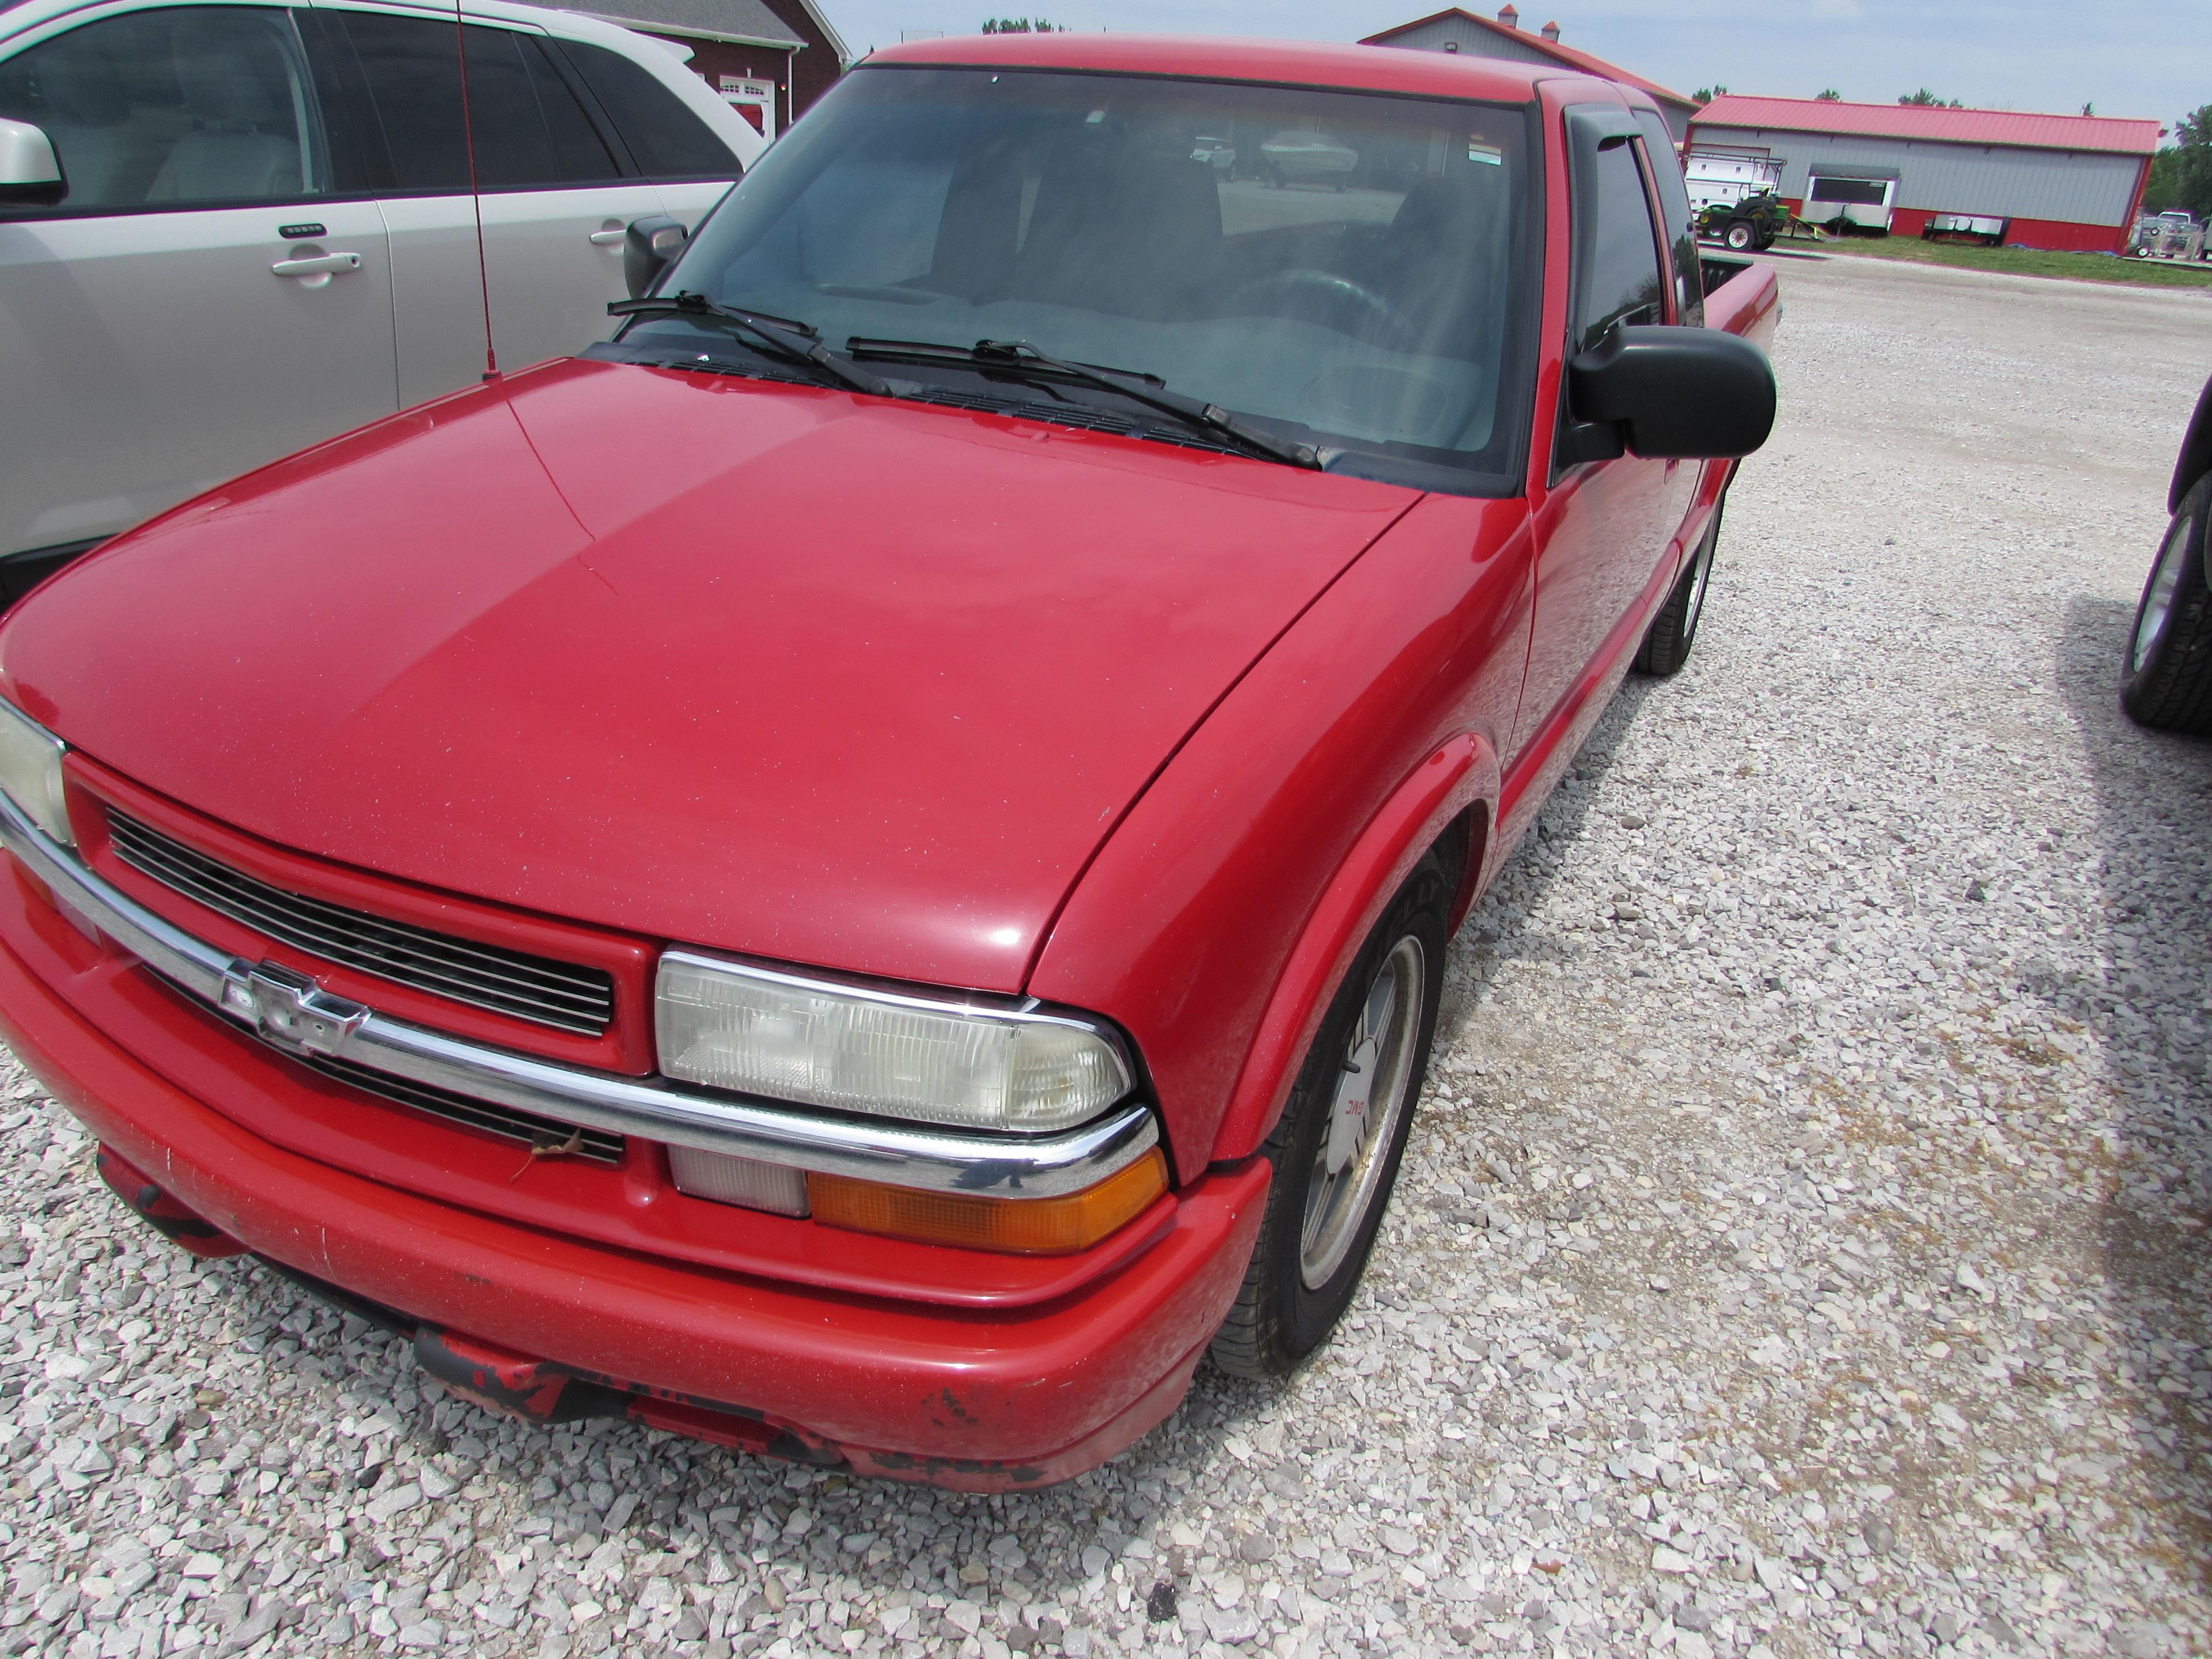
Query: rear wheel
x=1738 y=235
x=1336 y=1151
x=2168 y=671
x=1674 y=629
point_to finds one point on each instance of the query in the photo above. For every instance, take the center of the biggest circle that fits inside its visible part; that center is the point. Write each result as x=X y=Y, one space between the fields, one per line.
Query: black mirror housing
x=1672 y=393
x=649 y=248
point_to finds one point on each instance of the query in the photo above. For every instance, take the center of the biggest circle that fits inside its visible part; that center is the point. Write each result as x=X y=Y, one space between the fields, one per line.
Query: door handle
x=322 y=265
x=607 y=238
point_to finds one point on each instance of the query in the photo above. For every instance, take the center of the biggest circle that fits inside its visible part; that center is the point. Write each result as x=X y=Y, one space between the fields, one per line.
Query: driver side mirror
x=1669 y=393
x=30 y=173
x=649 y=248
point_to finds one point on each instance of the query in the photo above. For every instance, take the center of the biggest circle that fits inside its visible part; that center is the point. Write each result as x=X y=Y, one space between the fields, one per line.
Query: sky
x=2152 y=59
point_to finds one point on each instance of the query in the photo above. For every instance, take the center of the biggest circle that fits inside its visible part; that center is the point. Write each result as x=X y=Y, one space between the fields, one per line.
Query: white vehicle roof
x=666 y=58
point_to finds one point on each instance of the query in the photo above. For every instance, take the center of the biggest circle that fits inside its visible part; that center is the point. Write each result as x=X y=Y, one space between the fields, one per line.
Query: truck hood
x=829 y=679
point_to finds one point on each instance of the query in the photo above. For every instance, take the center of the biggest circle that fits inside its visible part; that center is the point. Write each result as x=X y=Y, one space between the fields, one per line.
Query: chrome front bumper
x=287 y=1010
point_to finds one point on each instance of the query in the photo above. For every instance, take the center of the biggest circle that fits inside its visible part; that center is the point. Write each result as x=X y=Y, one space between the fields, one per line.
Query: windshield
x=1337 y=268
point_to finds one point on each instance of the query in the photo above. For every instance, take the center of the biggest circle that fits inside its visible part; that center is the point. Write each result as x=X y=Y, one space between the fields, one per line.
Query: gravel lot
x=1804 y=1248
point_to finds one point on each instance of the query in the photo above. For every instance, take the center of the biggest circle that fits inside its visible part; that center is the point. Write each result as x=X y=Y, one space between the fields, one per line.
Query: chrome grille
x=561 y=994
x=594 y=1146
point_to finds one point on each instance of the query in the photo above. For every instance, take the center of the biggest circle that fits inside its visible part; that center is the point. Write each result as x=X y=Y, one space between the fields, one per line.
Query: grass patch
x=2020 y=261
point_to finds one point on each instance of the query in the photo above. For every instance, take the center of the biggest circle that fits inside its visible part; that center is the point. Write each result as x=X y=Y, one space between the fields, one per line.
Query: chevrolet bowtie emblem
x=289 y=1009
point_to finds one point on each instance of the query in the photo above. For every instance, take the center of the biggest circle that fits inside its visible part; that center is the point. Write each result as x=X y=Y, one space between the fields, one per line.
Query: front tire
x=1739 y=236
x=2167 y=673
x=1337 y=1149
x=1666 y=646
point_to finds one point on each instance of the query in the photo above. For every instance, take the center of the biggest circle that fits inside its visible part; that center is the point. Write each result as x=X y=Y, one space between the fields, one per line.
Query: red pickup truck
x=864 y=870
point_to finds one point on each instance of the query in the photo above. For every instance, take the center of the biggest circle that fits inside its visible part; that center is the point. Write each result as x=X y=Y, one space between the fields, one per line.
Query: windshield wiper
x=1020 y=358
x=795 y=341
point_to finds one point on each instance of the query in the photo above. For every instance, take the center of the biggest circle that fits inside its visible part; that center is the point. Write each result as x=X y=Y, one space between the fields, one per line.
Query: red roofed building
x=1477 y=37
x=2058 y=181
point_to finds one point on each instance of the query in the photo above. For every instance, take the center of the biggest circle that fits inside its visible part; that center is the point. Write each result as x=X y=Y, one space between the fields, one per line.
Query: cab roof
x=1293 y=62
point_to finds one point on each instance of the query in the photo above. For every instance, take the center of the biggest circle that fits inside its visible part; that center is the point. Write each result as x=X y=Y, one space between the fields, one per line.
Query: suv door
x=555 y=196
x=198 y=303
x=1605 y=526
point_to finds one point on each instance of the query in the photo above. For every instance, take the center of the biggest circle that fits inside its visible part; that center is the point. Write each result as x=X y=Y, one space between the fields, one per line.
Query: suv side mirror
x=649 y=248
x=1669 y=393
x=30 y=173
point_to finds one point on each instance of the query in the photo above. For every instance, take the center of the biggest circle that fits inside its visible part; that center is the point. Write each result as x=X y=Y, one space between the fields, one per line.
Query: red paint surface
x=821 y=677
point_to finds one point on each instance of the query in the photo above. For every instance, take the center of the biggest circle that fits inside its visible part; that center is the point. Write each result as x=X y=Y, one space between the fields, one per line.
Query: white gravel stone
x=1803 y=1249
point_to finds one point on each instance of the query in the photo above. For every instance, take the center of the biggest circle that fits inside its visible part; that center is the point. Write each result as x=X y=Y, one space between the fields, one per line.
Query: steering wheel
x=1324 y=297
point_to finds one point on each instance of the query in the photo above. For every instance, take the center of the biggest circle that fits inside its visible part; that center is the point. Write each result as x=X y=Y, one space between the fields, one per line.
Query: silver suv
x=229 y=231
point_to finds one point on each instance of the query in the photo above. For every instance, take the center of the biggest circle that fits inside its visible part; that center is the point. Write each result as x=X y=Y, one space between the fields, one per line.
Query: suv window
x=1620 y=280
x=665 y=139
x=164 y=108
x=1681 y=223
x=531 y=132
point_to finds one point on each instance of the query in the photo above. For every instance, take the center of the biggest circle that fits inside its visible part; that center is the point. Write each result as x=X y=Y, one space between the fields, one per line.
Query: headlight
x=763 y=1033
x=31 y=771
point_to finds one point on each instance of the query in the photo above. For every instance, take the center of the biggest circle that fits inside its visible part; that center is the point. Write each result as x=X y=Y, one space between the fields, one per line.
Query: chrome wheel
x=1370 y=1095
x=2158 y=597
x=1700 y=577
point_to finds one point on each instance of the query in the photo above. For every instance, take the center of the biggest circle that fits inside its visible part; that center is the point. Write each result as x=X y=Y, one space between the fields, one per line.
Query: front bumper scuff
x=979 y=1400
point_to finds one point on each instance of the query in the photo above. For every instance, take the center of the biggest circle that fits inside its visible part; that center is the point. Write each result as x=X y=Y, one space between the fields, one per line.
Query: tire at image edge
x=1277 y=1319
x=2166 y=677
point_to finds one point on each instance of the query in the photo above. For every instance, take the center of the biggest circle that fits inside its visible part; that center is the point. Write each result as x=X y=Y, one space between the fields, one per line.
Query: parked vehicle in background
x=1746 y=226
x=1306 y=158
x=865 y=871
x=229 y=230
x=2166 y=680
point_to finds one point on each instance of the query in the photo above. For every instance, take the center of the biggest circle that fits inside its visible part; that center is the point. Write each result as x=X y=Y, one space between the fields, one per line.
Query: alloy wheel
x=1371 y=1093
x=2159 y=596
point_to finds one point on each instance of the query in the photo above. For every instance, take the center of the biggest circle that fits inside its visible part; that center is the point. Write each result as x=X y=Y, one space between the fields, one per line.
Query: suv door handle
x=607 y=238
x=323 y=264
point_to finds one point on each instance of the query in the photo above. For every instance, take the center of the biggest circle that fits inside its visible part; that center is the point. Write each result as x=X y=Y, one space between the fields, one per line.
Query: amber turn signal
x=1026 y=1226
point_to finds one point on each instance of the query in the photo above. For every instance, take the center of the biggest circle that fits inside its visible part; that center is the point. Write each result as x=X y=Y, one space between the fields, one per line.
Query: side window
x=530 y=131
x=184 y=105
x=1675 y=207
x=412 y=68
x=667 y=140
x=1618 y=281
x=581 y=155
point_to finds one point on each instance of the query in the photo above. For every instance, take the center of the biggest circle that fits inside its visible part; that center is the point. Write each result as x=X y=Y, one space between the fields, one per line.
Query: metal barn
x=2059 y=181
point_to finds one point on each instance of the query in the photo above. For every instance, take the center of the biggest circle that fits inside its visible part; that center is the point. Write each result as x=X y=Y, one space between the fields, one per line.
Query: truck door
x=1604 y=527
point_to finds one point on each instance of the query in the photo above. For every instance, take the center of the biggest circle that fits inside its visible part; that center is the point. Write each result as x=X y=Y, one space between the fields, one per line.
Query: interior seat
x=245 y=141
x=1121 y=231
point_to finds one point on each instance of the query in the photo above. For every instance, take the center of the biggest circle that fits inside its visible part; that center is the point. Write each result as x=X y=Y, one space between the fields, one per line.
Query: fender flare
x=1459 y=774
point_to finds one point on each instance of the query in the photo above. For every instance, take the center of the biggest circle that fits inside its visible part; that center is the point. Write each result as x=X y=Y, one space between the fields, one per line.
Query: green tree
x=1828 y=95
x=1706 y=94
x=2181 y=173
x=1021 y=26
x=1924 y=96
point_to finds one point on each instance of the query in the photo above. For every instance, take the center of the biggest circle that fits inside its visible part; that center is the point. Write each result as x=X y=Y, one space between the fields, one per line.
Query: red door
x=1605 y=527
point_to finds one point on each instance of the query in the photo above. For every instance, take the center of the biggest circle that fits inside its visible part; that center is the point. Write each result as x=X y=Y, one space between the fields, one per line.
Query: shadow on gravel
x=1493 y=930
x=2154 y=844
